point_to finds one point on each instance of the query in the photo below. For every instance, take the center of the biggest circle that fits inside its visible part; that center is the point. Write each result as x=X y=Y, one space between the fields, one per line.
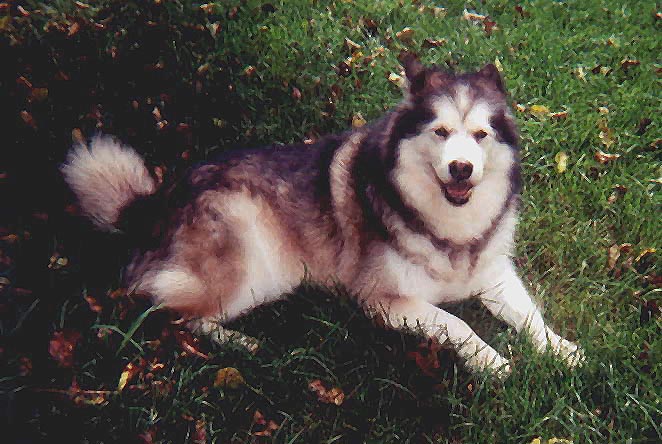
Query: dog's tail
x=107 y=177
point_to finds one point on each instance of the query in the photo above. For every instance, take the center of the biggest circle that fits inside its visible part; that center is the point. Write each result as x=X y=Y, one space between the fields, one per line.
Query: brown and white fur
x=415 y=210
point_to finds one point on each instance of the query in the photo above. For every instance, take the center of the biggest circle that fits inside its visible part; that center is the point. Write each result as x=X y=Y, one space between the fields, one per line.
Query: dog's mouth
x=457 y=192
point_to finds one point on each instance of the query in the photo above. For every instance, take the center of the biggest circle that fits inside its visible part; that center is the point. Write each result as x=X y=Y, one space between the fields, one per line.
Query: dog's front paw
x=568 y=351
x=490 y=361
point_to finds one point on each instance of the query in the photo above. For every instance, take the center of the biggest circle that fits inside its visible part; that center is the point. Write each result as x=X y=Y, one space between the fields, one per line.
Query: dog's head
x=457 y=128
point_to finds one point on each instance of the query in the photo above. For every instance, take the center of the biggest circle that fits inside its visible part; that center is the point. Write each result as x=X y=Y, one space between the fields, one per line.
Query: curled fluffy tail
x=106 y=178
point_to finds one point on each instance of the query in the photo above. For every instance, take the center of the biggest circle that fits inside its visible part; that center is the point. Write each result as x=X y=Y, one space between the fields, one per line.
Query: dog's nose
x=460 y=170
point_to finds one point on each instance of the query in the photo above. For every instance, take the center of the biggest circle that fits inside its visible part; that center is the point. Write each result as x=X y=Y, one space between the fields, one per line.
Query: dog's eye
x=442 y=132
x=479 y=135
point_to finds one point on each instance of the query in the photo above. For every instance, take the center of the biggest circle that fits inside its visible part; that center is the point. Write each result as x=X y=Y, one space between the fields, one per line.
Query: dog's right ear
x=419 y=78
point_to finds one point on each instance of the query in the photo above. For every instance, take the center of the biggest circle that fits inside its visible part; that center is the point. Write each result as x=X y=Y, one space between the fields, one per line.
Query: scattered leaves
x=328 y=396
x=561 y=115
x=627 y=63
x=229 y=377
x=433 y=43
x=396 y=79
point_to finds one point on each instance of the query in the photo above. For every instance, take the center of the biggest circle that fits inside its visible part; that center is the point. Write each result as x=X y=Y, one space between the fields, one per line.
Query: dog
x=416 y=209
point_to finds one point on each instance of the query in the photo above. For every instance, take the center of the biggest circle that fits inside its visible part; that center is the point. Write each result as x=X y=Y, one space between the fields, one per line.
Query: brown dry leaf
x=619 y=191
x=426 y=357
x=473 y=16
x=559 y=115
x=189 y=344
x=615 y=252
x=62 y=346
x=489 y=25
x=406 y=35
x=433 y=43
x=269 y=426
x=604 y=158
x=93 y=304
x=249 y=71
x=606 y=135
x=334 y=395
x=28 y=119
x=229 y=377
x=81 y=5
x=352 y=45
x=627 y=63
x=200 y=435
x=73 y=29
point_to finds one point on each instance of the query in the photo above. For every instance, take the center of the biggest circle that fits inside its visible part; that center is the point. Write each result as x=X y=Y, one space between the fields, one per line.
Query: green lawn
x=584 y=76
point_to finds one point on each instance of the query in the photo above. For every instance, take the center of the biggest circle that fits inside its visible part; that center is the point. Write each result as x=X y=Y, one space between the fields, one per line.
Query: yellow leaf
x=561 y=159
x=558 y=441
x=498 y=65
x=229 y=377
x=535 y=441
x=395 y=79
x=358 y=121
x=539 y=110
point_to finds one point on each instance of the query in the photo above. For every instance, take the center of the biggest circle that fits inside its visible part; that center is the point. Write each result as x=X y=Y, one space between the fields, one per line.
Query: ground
x=83 y=362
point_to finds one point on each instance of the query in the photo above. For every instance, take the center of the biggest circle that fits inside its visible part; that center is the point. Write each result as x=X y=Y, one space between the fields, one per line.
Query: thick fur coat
x=417 y=209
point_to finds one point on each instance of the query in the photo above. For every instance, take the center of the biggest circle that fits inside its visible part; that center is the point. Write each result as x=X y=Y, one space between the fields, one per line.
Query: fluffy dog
x=416 y=209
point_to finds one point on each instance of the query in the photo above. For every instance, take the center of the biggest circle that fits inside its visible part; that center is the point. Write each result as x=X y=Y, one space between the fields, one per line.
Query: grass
x=236 y=87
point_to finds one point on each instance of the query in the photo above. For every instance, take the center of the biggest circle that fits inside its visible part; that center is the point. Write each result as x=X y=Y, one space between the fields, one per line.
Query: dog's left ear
x=491 y=74
x=420 y=78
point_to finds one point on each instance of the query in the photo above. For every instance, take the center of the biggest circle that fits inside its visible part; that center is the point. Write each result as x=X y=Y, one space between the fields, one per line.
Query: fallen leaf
x=645 y=253
x=426 y=357
x=603 y=110
x=615 y=252
x=627 y=63
x=643 y=124
x=81 y=5
x=229 y=377
x=269 y=426
x=406 y=35
x=579 y=73
x=334 y=395
x=539 y=110
x=473 y=16
x=352 y=45
x=200 y=435
x=62 y=347
x=433 y=43
x=189 y=343
x=395 y=79
x=559 y=115
x=73 y=29
x=129 y=372
x=489 y=25
x=358 y=121
x=619 y=191
x=93 y=304
x=561 y=159
x=606 y=135
x=604 y=158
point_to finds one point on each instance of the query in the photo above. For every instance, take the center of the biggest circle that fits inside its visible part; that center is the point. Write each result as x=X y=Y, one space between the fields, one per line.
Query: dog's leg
x=211 y=326
x=509 y=301
x=403 y=312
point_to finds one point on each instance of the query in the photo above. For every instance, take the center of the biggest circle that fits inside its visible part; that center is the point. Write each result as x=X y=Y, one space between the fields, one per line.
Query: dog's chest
x=438 y=275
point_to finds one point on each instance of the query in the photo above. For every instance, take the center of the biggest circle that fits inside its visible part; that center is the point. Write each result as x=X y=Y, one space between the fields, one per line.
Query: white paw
x=570 y=352
x=491 y=361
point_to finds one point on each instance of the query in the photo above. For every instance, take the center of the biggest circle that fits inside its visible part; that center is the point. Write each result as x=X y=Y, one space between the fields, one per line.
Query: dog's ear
x=419 y=78
x=491 y=74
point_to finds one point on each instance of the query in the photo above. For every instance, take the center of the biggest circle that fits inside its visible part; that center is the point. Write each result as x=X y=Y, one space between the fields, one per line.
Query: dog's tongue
x=458 y=188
